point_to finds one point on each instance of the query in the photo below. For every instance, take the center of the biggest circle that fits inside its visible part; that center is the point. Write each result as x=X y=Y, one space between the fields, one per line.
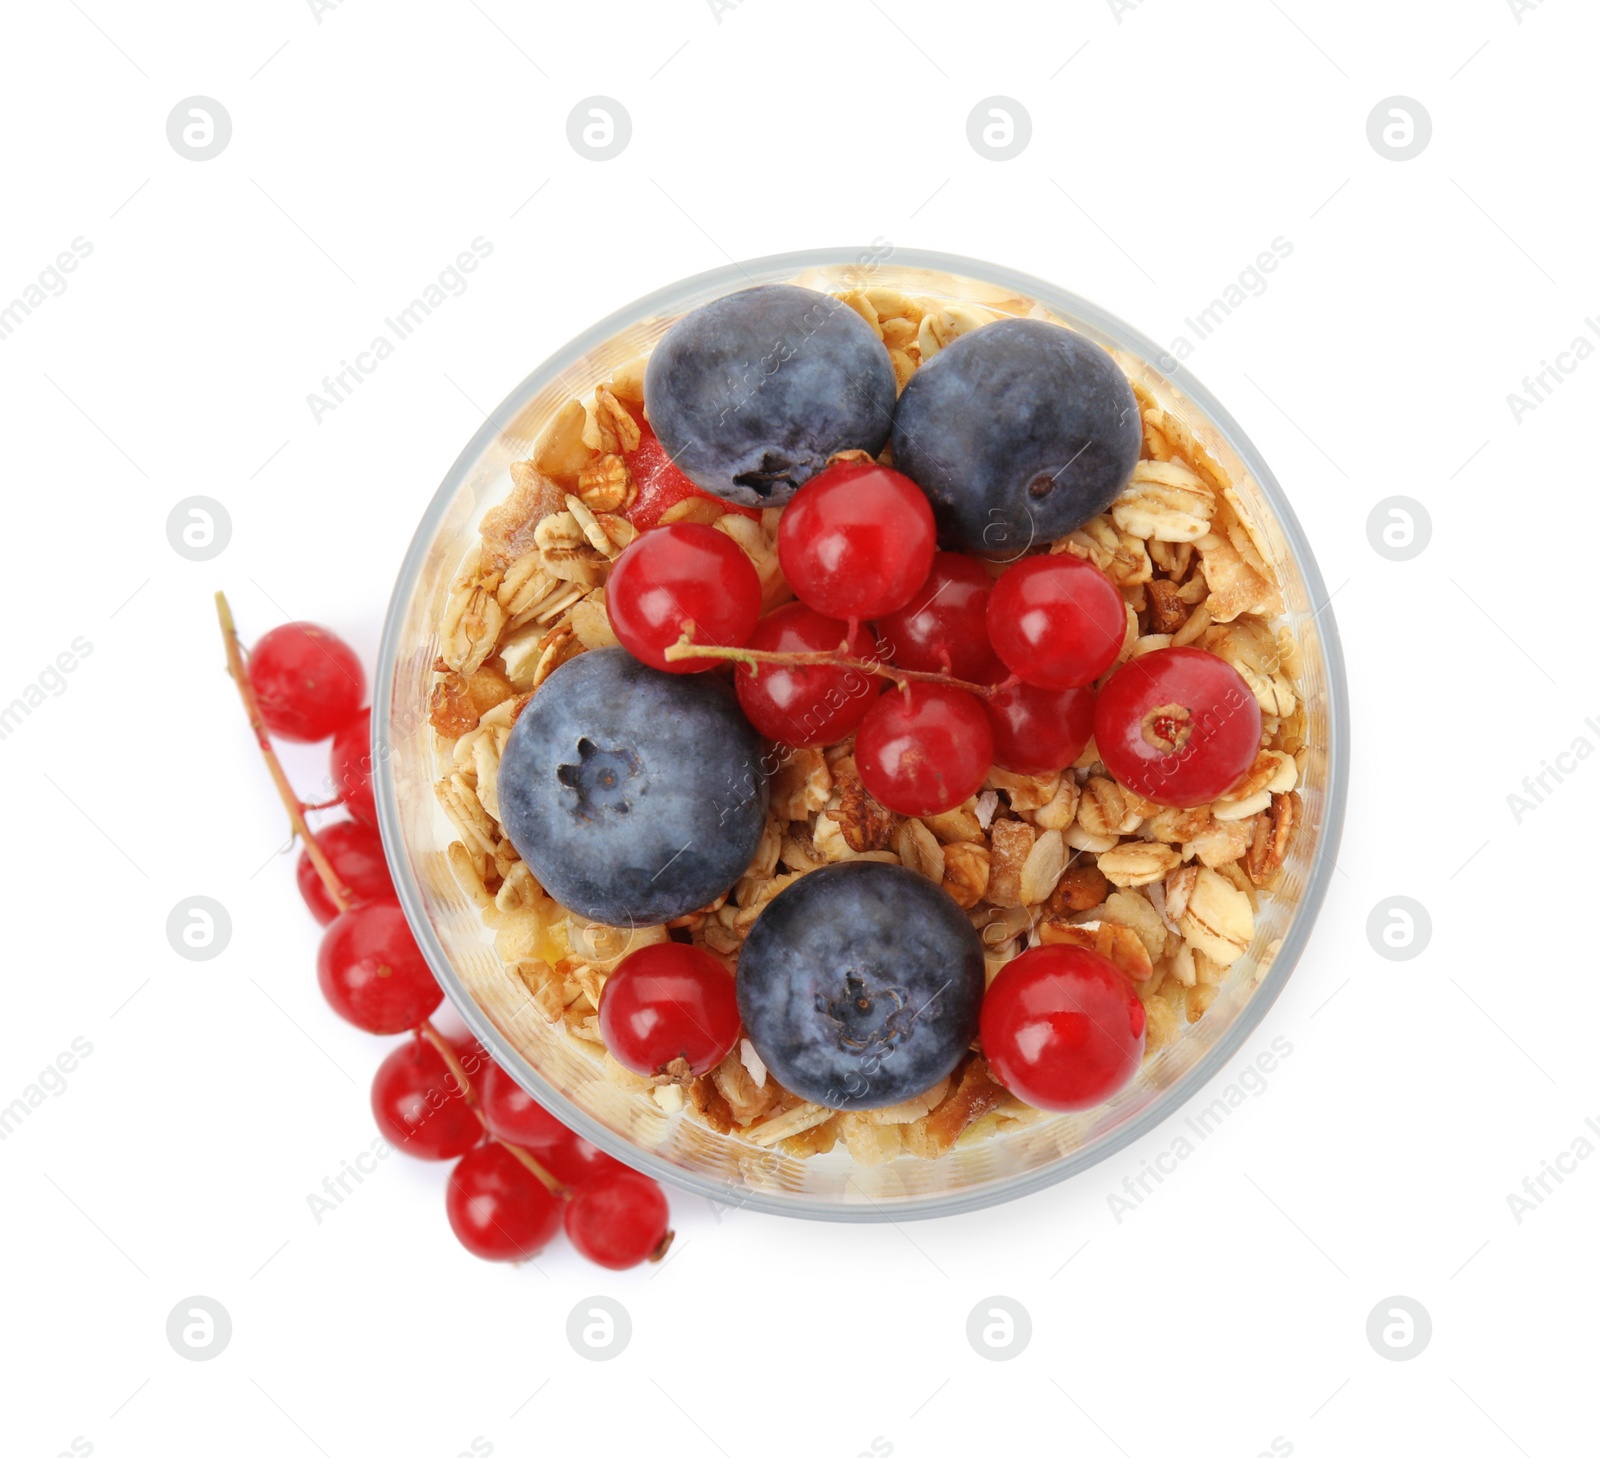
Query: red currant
x=669 y=1009
x=350 y=763
x=857 y=540
x=662 y=485
x=498 y=1208
x=372 y=971
x=1061 y=1028
x=575 y=1161
x=515 y=1115
x=678 y=577
x=1178 y=726
x=924 y=751
x=1056 y=621
x=356 y=855
x=618 y=1220
x=420 y=1107
x=944 y=627
x=1038 y=731
x=307 y=680
x=799 y=705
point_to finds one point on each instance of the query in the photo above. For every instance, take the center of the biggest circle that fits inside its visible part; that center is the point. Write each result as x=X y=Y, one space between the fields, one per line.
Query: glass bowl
x=675 y=1147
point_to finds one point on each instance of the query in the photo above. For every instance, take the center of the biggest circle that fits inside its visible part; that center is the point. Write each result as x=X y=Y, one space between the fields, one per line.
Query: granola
x=1170 y=896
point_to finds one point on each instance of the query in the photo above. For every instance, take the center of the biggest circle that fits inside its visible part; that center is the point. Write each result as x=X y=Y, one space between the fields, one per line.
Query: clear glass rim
x=1184 y=1088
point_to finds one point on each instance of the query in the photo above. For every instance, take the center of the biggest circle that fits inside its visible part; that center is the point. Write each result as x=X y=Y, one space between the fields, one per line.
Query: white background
x=1171 y=144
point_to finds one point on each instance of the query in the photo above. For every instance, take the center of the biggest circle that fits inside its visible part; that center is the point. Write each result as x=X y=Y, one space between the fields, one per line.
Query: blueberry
x=634 y=796
x=1019 y=432
x=859 y=985
x=751 y=393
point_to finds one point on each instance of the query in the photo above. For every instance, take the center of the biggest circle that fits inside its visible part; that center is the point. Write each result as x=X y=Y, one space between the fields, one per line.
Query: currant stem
x=341 y=897
x=686 y=647
x=338 y=892
x=441 y=1046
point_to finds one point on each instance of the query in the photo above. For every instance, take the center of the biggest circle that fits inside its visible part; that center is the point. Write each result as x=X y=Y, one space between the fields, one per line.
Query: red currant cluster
x=995 y=665
x=519 y=1174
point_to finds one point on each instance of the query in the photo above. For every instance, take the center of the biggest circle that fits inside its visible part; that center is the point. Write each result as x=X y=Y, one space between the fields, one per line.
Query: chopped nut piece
x=801 y=784
x=966 y=872
x=607 y=485
x=627 y=380
x=608 y=427
x=746 y=1099
x=973 y=1096
x=1177 y=826
x=1023 y=792
x=865 y=824
x=958 y=824
x=818 y=1139
x=1118 y=944
x=543 y=985
x=707 y=1101
x=1081 y=888
x=1272 y=835
x=460 y=700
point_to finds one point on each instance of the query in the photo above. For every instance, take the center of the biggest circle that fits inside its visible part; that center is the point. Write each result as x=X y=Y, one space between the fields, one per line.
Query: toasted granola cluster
x=1169 y=895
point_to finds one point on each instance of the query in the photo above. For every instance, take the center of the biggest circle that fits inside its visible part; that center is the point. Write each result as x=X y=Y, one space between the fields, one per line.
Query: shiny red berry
x=420 y=1107
x=944 y=628
x=307 y=680
x=1062 y=1028
x=1056 y=621
x=662 y=485
x=356 y=854
x=575 y=1161
x=1178 y=726
x=618 y=1220
x=350 y=766
x=799 y=705
x=1038 y=731
x=515 y=1115
x=683 y=577
x=372 y=971
x=926 y=750
x=857 y=540
x=669 y=1009
x=499 y=1210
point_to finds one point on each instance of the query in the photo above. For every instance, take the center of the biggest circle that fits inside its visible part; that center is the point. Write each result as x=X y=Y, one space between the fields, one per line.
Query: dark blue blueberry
x=634 y=796
x=1019 y=432
x=860 y=984
x=751 y=393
